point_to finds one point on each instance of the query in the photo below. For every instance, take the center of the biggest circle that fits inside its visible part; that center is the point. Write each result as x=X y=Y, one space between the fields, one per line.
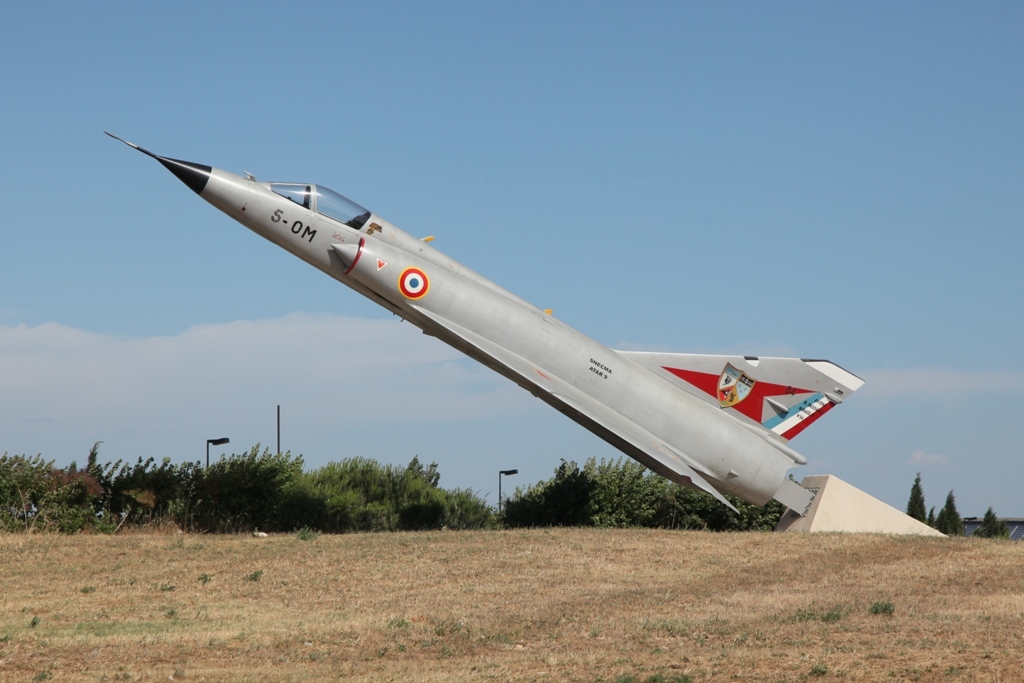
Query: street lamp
x=507 y=473
x=214 y=442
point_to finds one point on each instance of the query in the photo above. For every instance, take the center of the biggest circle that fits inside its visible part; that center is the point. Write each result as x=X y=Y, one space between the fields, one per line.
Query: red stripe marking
x=362 y=241
x=807 y=421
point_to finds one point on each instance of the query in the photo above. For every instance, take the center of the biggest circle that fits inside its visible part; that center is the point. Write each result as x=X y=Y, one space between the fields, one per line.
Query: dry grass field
x=554 y=605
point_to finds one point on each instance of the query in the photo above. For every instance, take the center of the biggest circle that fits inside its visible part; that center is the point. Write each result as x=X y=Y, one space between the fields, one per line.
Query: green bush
x=244 y=492
x=147 y=493
x=35 y=495
x=886 y=608
x=359 y=494
x=624 y=493
x=256 y=489
x=564 y=500
x=463 y=509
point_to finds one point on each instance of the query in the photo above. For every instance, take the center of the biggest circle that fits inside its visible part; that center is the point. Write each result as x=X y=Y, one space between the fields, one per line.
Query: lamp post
x=507 y=473
x=214 y=442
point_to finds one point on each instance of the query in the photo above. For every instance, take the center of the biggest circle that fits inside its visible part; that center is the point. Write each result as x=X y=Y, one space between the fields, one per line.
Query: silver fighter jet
x=720 y=424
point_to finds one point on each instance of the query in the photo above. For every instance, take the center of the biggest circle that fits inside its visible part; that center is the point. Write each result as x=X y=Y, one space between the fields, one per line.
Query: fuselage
x=410 y=278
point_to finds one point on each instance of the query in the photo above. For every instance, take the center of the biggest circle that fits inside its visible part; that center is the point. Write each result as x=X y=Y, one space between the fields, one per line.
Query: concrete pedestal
x=839 y=506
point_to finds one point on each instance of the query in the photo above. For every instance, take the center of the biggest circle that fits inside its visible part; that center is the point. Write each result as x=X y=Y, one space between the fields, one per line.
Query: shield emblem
x=733 y=386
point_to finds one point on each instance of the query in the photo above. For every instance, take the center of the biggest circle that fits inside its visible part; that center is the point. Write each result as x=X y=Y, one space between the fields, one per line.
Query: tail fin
x=784 y=395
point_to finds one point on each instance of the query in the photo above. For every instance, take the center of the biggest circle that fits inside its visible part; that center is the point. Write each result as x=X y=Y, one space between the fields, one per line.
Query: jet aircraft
x=716 y=423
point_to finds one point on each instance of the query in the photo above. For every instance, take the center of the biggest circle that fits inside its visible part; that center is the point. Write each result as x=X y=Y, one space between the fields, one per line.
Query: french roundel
x=413 y=283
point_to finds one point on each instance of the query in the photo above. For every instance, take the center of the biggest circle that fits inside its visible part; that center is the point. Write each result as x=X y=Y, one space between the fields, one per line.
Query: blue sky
x=808 y=179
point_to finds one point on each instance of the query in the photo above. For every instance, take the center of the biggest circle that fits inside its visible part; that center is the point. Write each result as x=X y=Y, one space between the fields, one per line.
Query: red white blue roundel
x=413 y=283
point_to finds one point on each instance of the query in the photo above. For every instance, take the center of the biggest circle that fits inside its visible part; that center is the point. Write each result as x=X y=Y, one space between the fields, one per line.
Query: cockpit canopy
x=324 y=201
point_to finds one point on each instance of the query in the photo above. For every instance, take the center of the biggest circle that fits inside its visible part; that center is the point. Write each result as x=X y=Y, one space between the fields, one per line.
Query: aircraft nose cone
x=195 y=176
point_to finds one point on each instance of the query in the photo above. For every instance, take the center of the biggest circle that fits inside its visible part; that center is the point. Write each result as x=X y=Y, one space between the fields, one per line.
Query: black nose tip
x=195 y=176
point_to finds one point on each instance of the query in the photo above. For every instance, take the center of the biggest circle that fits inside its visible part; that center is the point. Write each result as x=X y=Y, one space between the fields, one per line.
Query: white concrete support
x=838 y=506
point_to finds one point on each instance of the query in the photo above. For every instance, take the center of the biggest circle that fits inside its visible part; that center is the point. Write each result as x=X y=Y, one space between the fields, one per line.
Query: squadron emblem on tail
x=733 y=386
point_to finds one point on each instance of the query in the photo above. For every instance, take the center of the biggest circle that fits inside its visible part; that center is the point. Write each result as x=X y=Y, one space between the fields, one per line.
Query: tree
x=915 y=506
x=429 y=474
x=992 y=527
x=948 y=520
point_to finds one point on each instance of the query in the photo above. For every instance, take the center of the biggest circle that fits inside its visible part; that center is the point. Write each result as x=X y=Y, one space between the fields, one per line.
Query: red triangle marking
x=381 y=264
x=752 y=406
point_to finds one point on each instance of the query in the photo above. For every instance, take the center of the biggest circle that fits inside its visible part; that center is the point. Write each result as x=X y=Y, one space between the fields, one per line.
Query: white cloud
x=327 y=370
x=924 y=458
x=53 y=368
